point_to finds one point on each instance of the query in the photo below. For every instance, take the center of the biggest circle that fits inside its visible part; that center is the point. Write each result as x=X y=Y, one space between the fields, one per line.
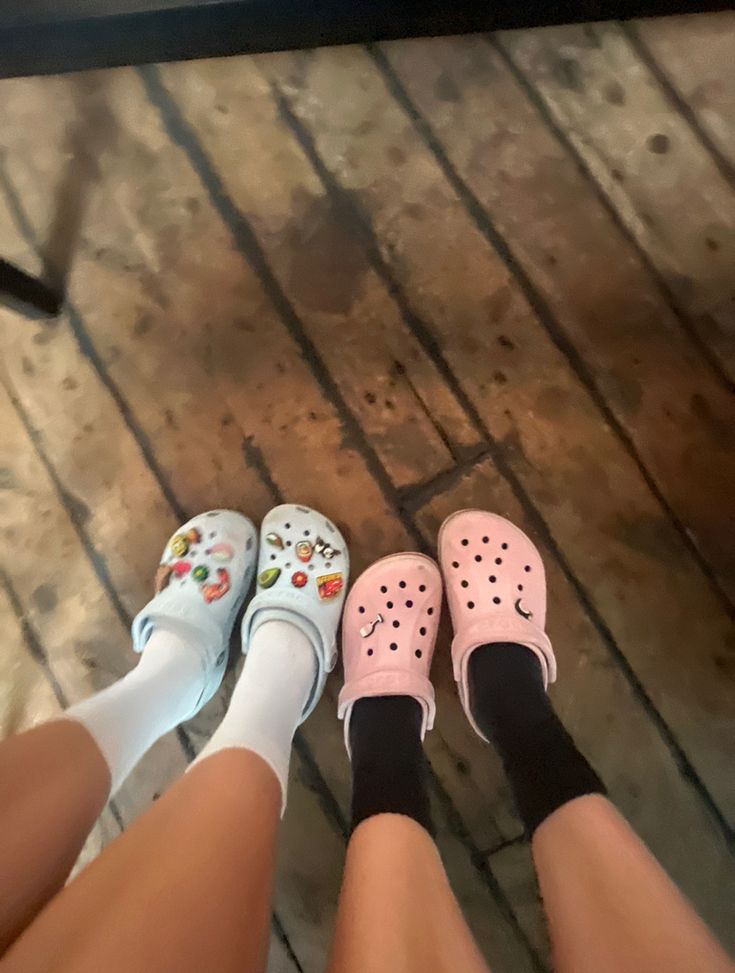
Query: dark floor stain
x=567 y=72
x=396 y=155
x=69 y=384
x=370 y=398
x=648 y=534
x=498 y=303
x=327 y=264
x=44 y=598
x=614 y=93
x=711 y=244
x=27 y=366
x=45 y=335
x=617 y=175
x=445 y=89
x=659 y=143
x=505 y=342
x=552 y=402
x=415 y=210
x=143 y=325
x=500 y=377
x=721 y=429
x=7 y=478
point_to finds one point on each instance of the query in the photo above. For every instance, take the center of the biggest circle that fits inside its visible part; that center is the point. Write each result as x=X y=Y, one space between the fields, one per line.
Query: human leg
x=610 y=906
x=185 y=888
x=396 y=908
x=55 y=779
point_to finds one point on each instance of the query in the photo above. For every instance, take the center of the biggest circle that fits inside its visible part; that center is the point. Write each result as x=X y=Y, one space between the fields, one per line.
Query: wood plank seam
x=183 y=135
x=664 y=289
x=540 y=306
x=314 y=361
x=282 y=937
x=725 y=167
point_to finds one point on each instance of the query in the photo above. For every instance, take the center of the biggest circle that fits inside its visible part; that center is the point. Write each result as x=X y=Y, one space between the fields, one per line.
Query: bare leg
x=397 y=911
x=53 y=785
x=609 y=904
x=186 y=888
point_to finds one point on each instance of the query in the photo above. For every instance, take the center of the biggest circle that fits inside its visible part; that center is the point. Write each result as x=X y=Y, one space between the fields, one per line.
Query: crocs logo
x=367 y=630
x=521 y=611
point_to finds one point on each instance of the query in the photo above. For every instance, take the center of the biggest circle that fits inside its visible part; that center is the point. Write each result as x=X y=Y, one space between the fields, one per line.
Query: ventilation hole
x=478 y=557
x=389 y=604
x=422 y=630
x=288 y=543
x=504 y=546
x=418 y=653
x=383 y=589
x=401 y=584
x=527 y=567
x=396 y=623
x=465 y=542
x=361 y=609
x=394 y=646
x=288 y=526
x=465 y=584
x=287 y=564
x=429 y=611
x=492 y=579
x=496 y=600
x=455 y=564
x=485 y=540
x=409 y=603
x=422 y=587
x=306 y=533
x=498 y=560
x=370 y=651
x=520 y=587
x=213 y=534
x=311 y=567
x=273 y=557
x=328 y=564
x=470 y=604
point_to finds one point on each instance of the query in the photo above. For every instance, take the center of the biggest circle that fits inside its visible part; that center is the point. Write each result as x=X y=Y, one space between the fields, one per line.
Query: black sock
x=388 y=763
x=512 y=709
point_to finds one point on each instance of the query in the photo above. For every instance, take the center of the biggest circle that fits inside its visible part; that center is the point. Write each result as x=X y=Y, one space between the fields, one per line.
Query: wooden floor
x=392 y=282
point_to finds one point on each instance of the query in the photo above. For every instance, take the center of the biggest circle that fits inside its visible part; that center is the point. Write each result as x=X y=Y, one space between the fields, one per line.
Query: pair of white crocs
x=496 y=590
x=493 y=574
x=206 y=572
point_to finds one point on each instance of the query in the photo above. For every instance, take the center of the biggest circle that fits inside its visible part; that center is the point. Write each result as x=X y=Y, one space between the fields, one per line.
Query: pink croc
x=496 y=589
x=388 y=633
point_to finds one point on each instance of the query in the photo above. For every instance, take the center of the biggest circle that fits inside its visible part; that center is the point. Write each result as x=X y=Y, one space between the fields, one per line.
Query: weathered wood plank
x=270 y=408
x=695 y=55
x=613 y=726
x=664 y=185
x=410 y=417
x=601 y=304
x=611 y=531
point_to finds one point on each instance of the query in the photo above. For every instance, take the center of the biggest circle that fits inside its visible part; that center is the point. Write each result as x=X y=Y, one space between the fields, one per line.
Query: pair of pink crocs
x=496 y=591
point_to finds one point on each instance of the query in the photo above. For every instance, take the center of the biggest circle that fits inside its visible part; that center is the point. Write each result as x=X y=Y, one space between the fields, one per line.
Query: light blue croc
x=202 y=580
x=303 y=571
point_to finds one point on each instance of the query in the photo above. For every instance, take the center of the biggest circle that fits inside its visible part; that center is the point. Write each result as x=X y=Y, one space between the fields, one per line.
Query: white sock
x=269 y=698
x=130 y=715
